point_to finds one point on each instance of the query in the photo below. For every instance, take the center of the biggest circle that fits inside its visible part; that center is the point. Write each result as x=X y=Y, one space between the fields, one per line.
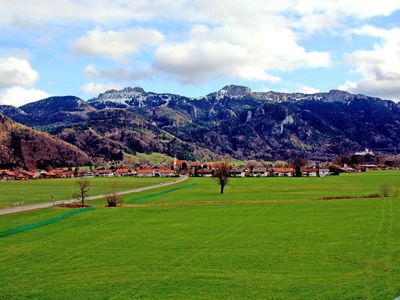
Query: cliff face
x=21 y=146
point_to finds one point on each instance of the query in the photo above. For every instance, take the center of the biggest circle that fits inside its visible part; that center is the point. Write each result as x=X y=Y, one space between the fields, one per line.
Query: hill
x=233 y=120
x=21 y=146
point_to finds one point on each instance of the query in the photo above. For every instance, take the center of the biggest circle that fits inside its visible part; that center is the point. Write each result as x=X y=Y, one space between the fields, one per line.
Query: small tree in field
x=222 y=173
x=385 y=190
x=112 y=198
x=83 y=186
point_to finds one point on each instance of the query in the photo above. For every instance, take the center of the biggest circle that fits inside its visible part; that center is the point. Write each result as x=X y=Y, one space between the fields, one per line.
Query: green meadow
x=44 y=190
x=274 y=188
x=294 y=247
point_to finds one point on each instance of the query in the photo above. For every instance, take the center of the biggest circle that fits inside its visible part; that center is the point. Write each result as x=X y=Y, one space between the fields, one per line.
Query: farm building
x=283 y=172
x=165 y=173
x=145 y=173
x=262 y=172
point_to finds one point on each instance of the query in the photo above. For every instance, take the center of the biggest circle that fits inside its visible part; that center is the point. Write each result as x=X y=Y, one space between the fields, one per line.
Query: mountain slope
x=21 y=146
x=233 y=120
x=50 y=111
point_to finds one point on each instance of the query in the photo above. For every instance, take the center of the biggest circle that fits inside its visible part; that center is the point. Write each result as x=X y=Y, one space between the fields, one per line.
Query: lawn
x=317 y=249
x=242 y=189
x=35 y=191
x=304 y=249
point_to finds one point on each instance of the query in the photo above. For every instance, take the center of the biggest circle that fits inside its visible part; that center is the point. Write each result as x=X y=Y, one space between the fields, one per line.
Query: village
x=176 y=168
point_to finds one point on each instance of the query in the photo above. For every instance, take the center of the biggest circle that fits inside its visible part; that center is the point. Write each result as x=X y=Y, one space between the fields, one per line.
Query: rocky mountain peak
x=234 y=91
x=338 y=96
x=135 y=90
x=117 y=98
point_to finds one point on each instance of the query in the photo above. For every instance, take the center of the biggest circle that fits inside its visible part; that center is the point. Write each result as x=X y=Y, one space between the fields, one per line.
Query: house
x=85 y=173
x=283 y=172
x=50 y=174
x=122 y=172
x=145 y=173
x=205 y=173
x=370 y=167
x=66 y=174
x=237 y=173
x=309 y=172
x=194 y=165
x=7 y=175
x=262 y=172
x=323 y=172
x=165 y=173
x=28 y=174
x=104 y=173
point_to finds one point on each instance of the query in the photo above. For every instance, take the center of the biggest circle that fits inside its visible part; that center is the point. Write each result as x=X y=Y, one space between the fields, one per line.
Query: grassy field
x=35 y=191
x=242 y=189
x=153 y=158
x=306 y=249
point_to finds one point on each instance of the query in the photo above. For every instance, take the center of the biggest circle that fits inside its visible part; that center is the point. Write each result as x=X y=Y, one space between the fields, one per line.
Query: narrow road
x=16 y=209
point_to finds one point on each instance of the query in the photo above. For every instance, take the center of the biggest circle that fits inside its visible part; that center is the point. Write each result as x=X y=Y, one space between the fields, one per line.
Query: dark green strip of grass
x=45 y=222
x=135 y=199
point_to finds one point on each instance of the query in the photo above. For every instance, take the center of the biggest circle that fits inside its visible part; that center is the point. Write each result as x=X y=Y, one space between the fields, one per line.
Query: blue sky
x=192 y=48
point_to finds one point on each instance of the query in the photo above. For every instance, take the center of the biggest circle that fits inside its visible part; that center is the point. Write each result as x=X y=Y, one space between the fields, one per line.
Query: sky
x=193 y=48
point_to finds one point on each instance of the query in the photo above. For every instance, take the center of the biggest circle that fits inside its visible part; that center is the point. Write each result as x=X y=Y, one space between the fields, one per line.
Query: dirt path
x=16 y=209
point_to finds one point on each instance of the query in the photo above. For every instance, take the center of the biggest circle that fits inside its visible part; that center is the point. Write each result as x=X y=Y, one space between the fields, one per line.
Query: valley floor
x=302 y=249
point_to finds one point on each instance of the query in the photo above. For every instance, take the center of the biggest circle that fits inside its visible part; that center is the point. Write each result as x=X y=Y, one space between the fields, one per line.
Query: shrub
x=113 y=199
x=385 y=190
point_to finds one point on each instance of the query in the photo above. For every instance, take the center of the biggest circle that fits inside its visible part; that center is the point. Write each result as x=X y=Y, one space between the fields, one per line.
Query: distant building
x=261 y=172
x=205 y=173
x=310 y=172
x=323 y=172
x=122 y=172
x=237 y=173
x=283 y=172
x=165 y=173
x=145 y=173
x=105 y=173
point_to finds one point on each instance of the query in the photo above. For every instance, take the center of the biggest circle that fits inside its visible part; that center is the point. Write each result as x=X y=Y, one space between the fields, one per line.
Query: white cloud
x=316 y=22
x=237 y=50
x=18 y=96
x=379 y=67
x=16 y=80
x=93 y=88
x=16 y=72
x=116 y=45
x=74 y=12
x=91 y=71
x=242 y=39
x=119 y=73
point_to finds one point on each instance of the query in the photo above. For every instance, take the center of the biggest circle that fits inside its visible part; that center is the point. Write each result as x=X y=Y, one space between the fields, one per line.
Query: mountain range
x=234 y=121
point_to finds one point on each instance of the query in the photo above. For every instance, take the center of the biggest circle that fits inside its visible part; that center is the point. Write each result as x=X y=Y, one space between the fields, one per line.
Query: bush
x=385 y=190
x=113 y=199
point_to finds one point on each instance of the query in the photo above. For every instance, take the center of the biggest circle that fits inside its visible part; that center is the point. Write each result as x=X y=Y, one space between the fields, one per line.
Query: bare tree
x=385 y=190
x=83 y=186
x=112 y=198
x=222 y=173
